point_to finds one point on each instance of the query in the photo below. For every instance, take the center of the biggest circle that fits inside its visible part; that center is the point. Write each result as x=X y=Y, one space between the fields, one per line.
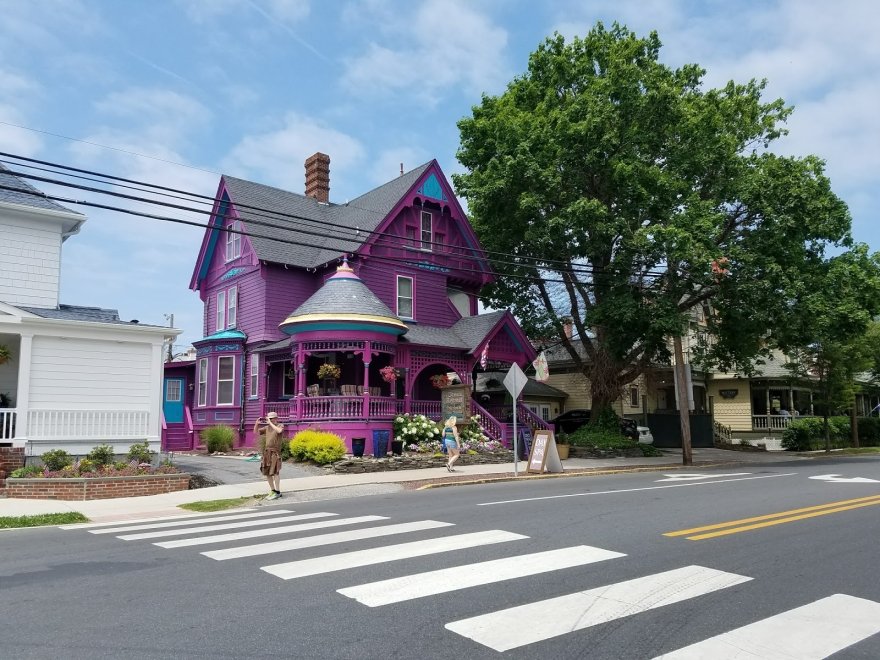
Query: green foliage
x=207 y=506
x=808 y=433
x=869 y=431
x=84 y=466
x=602 y=157
x=140 y=452
x=26 y=472
x=219 y=437
x=10 y=522
x=319 y=446
x=56 y=459
x=601 y=438
x=101 y=455
x=649 y=450
x=413 y=429
x=119 y=465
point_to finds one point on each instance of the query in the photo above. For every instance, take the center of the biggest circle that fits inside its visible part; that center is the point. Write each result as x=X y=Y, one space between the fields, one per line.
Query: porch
x=76 y=431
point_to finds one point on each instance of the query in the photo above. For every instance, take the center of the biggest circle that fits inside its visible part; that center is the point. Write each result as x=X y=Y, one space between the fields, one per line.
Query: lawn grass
x=858 y=450
x=206 y=506
x=11 y=522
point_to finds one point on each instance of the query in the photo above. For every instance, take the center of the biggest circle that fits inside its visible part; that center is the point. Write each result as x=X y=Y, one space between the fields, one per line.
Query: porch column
x=367 y=357
x=300 y=380
x=23 y=394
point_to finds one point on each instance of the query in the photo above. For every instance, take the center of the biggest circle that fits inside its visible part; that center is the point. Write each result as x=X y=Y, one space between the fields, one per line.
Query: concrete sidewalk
x=334 y=486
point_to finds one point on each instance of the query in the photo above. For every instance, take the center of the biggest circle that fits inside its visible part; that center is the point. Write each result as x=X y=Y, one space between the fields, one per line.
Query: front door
x=172 y=401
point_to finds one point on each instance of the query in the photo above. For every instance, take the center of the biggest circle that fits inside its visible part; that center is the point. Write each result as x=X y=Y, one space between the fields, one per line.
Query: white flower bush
x=413 y=429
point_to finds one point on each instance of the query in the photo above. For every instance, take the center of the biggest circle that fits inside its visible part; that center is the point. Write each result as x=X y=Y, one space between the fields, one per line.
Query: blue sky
x=253 y=87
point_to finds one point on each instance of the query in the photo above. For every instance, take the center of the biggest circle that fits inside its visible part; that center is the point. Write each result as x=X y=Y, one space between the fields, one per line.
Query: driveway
x=235 y=469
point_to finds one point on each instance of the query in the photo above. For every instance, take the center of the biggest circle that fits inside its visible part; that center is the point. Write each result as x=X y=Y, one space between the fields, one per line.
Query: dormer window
x=427 y=230
x=233 y=240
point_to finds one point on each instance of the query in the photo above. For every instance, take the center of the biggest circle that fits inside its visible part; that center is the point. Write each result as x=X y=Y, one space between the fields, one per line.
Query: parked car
x=572 y=420
x=645 y=435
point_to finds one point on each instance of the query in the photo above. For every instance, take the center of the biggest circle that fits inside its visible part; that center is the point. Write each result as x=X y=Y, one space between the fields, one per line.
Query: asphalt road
x=798 y=569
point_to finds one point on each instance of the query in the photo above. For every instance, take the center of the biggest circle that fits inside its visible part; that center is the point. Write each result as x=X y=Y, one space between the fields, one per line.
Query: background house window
x=232 y=307
x=255 y=376
x=427 y=233
x=404 y=297
x=203 y=381
x=221 y=310
x=225 y=380
x=172 y=391
x=233 y=241
x=634 y=397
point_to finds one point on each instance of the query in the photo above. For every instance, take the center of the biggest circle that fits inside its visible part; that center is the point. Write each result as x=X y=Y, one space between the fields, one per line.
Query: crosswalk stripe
x=503 y=630
x=323 y=539
x=256 y=533
x=182 y=523
x=215 y=528
x=409 y=587
x=358 y=558
x=153 y=519
x=817 y=630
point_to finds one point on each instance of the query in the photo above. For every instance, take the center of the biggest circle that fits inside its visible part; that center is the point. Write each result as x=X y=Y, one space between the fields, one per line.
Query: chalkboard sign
x=456 y=400
x=525 y=442
x=544 y=456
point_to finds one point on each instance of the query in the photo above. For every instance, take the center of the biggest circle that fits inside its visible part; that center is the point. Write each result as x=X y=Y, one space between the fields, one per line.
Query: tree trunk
x=687 y=457
x=854 y=425
x=827 y=428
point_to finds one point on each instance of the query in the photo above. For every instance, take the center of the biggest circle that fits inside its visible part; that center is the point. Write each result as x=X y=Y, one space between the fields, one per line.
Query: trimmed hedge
x=322 y=447
x=218 y=438
x=808 y=433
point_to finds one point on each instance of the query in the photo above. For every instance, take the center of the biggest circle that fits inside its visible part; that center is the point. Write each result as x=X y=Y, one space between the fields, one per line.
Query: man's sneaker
x=272 y=496
x=277 y=494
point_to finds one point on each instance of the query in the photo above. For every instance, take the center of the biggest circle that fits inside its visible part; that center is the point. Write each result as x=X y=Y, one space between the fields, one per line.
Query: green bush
x=869 y=431
x=140 y=452
x=808 y=433
x=318 y=446
x=101 y=455
x=218 y=438
x=26 y=471
x=602 y=438
x=85 y=465
x=56 y=459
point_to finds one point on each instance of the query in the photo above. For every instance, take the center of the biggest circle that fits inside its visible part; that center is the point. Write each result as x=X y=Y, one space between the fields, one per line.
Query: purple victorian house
x=337 y=315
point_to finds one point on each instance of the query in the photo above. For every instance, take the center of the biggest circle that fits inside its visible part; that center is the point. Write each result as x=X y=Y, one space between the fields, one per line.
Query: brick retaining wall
x=96 y=488
x=11 y=458
x=415 y=462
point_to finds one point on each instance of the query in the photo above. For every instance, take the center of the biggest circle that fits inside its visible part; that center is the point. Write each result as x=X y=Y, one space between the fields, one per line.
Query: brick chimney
x=318 y=177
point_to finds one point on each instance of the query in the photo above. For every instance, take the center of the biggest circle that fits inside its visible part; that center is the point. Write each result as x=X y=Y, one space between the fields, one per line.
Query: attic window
x=427 y=232
x=233 y=240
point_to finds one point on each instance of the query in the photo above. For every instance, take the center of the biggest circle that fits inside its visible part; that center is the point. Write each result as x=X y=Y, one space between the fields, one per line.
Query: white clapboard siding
x=30 y=261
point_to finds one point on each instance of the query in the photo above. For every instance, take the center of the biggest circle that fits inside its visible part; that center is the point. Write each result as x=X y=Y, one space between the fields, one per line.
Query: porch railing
x=526 y=416
x=7 y=423
x=771 y=422
x=88 y=424
x=490 y=425
x=383 y=406
x=282 y=408
x=430 y=409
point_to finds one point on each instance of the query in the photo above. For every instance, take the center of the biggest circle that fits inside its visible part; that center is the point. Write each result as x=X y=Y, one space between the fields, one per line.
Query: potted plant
x=328 y=370
x=440 y=381
x=389 y=374
x=5 y=353
x=562 y=446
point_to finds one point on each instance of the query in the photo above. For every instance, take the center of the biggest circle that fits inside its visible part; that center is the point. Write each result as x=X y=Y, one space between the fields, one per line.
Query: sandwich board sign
x=543 y=457
x=525 y=438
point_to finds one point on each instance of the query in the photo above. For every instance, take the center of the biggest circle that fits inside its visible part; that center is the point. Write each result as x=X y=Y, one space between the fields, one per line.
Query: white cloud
x=447 y=44
x=277 y=157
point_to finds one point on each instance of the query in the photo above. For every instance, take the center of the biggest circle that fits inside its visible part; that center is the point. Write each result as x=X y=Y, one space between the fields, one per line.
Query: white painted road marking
x=836 y=478
x=526 y=624
x=182 y=523
x=431 y=583
x=697 y=477
x=155 y=519
x=274 y=531
x=359 y=558
x=635 y=490
x=323 y=539
x=813 y=631
x=214 y=528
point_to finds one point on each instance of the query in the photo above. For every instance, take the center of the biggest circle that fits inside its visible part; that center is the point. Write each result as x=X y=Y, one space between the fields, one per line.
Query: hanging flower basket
x=5 y=353
x=389 y=374
x=328 y=370
x=440 y=381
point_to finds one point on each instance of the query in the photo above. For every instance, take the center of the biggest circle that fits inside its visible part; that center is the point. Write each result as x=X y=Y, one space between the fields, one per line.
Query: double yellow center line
x=748 y=524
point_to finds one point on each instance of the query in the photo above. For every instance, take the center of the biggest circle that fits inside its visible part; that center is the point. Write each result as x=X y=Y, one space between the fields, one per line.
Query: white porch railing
x=7 y=423
x=88 y=424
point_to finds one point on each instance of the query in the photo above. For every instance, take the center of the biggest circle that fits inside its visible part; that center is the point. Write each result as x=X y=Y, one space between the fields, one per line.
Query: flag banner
x=542 y=371
x=484 y=358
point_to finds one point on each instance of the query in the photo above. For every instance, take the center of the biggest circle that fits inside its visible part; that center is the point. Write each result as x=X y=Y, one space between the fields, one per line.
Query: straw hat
x=272 y=415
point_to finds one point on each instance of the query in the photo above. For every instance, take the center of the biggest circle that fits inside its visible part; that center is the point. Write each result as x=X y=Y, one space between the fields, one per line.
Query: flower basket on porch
x=440 y=381
x=5 y=354
x=329 y=371
x=389 y=374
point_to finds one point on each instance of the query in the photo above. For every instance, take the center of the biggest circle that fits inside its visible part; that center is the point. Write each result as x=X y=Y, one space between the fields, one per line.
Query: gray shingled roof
x=77 y=313
x=429 y=335
x=344 y=296
x=466 y=334
x=473 y=329
x=364 y=213
x=29 y=196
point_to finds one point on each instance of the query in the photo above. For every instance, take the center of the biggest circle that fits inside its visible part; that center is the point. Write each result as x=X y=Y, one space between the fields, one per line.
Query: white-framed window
x=426 y=230
x=221 y=310
x=405 y=297
x=233 y=241
x=634 y=397
x=172 y=390
x=225 y=380
x=232 y=307
x=255 y=376
x=203 y=381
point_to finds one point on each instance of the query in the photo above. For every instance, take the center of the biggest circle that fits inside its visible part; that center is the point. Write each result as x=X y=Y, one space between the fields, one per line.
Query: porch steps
x=177 y=438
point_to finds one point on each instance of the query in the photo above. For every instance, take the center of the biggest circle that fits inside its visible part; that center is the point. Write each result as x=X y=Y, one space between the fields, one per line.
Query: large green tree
x=631 y=195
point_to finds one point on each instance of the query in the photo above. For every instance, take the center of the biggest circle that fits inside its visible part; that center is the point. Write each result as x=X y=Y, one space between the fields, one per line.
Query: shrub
x=218 y=437
x=599 y=437
x=101 y=455
x=26 y=472
x=415 y=428
x=120 y=465
x=869 y=431
x=56 y=459
x=809 y=433
x=140 y=452
x=318 y=446
x=84 y=465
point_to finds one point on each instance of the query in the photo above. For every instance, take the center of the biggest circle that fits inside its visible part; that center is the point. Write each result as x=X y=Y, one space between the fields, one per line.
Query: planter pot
x=562 y=450
x=380 y=443
x=397 y=447
x=357 y=446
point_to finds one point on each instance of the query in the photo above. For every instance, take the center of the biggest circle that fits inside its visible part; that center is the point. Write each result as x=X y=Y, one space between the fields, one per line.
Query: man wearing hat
x=270 y=464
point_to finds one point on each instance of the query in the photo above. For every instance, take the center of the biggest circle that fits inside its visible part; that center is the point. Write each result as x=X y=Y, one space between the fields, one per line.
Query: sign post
x=515 y=381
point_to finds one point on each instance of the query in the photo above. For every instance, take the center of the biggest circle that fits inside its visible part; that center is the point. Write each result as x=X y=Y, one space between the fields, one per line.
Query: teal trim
x=232 y=272
x=336 y=325
x=224 y=334
x=513 y=338
x=216 y=221
x=431 y=188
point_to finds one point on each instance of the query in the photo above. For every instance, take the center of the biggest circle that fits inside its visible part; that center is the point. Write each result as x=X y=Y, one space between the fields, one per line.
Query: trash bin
x=380 y=443
x=357 y=446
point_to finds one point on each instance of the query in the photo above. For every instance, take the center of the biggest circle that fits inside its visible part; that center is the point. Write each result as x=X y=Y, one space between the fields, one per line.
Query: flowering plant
x=440 y=381
x=389 y=374
x=415 y=428
x=328 y=370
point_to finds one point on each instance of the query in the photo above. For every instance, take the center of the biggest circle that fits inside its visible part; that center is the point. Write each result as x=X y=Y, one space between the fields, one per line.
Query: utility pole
x=683 y=407
x=170 y=319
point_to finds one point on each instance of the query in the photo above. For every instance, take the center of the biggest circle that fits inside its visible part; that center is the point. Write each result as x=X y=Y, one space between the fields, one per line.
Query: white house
x=76 y=376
